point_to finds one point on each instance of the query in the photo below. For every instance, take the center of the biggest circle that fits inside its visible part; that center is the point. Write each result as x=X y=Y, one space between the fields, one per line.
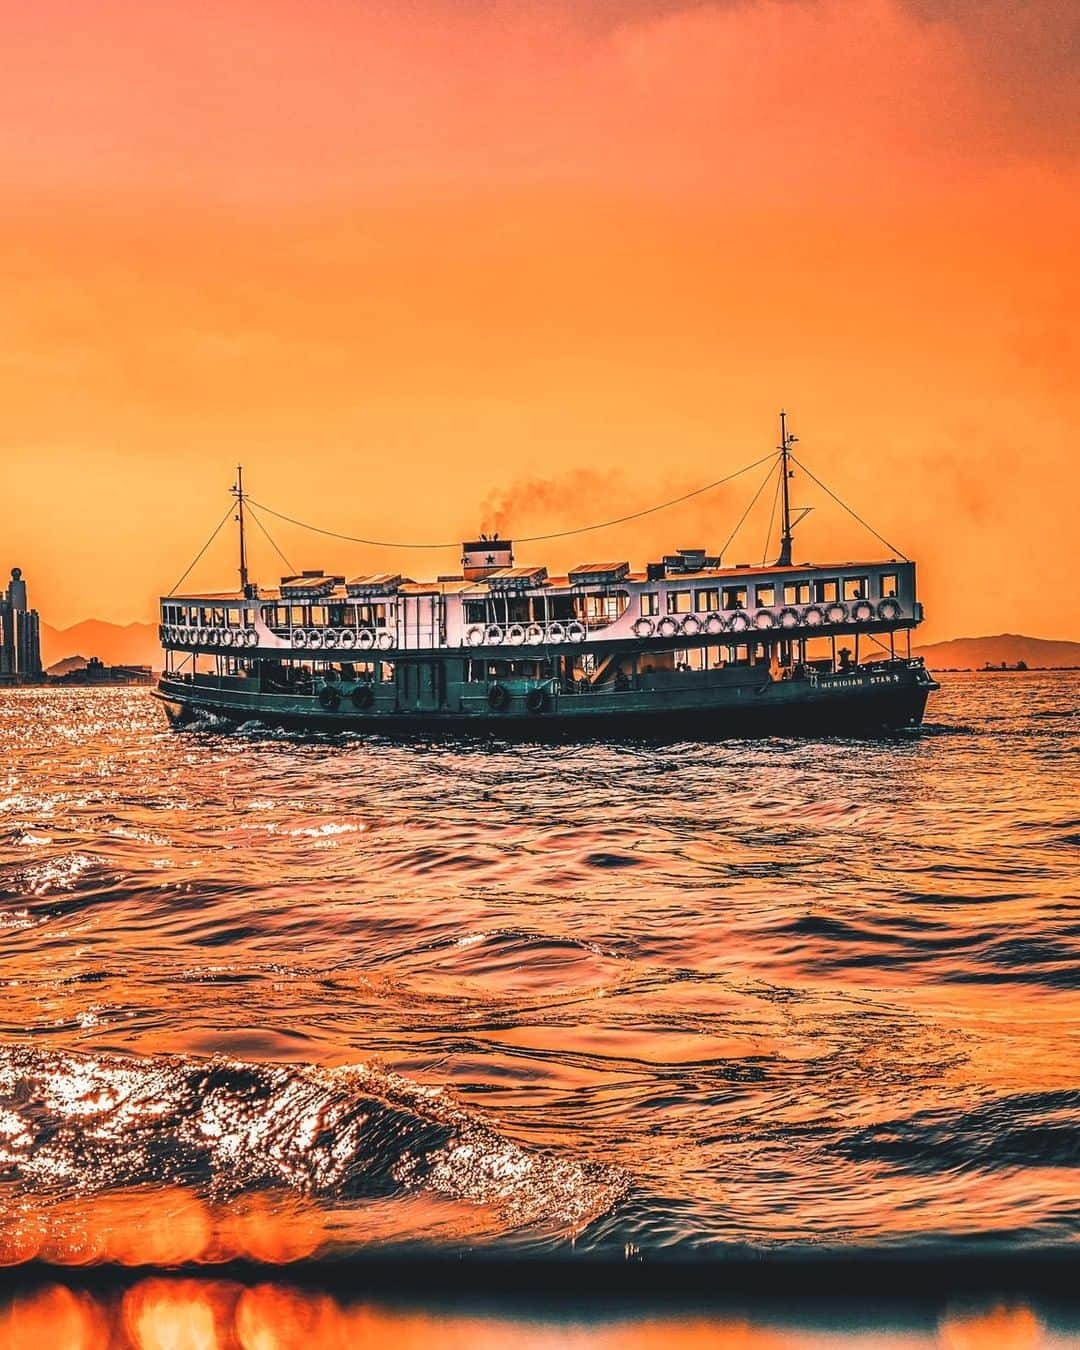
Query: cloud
x=1026 y=54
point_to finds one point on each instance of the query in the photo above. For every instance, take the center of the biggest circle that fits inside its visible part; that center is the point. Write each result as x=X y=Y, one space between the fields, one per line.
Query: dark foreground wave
x=230 y=1314
x=191 y=1137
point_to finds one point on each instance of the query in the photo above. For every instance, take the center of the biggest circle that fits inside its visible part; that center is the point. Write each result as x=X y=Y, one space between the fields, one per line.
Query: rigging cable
x=528 y=539
x=198 y=556
x=854 y=514
x=753 y=500
x=269 y=536
x=772 y=514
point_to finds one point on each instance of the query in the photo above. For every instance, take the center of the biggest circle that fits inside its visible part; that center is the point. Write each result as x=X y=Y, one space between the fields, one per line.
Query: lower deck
x=637 y=691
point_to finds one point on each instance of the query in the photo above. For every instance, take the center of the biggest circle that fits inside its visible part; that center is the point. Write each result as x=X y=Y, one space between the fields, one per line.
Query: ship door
x=421 y=685
x=422 y=618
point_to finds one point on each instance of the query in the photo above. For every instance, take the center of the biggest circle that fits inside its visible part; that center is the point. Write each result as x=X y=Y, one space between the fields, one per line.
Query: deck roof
x=459 y=586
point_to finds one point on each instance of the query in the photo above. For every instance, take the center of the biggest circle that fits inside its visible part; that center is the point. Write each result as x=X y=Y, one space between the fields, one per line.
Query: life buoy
x=740 y=622
x=348 y=638
x=889 y=609
x=714 y=624
x=789 y=618
x=576 y=632
x=536 y=700
x=363 y=696
x=534 y=634
x=498 y=697
x=556 y=632
x=314 y=638
x=643 y=628
x=836 y=612
x=515 y=635
x=764 y=619
x=691 y=625
x=251 y=638
x=200 y=637
x=384 y=642
x=227 y=638
x=813 y=617
x=667 y=627
x=365 y=640
x=475 y=636
x=329 y=698
x=493 y=634
x=330 y=638
x=862 y=611
x=298 y=637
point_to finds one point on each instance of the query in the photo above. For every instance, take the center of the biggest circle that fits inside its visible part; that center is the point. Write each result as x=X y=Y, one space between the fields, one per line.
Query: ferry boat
x=687 y=646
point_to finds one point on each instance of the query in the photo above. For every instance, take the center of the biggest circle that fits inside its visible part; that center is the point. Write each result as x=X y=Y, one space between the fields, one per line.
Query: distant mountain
x=133 y=644
x=972 y=653
x=66 y=666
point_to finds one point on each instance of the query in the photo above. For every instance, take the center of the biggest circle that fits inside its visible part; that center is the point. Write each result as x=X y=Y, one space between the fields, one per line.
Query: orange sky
x=407 y=259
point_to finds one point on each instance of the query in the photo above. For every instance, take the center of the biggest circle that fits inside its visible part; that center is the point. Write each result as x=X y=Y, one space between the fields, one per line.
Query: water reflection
x=329 y=995
x=191 y=1314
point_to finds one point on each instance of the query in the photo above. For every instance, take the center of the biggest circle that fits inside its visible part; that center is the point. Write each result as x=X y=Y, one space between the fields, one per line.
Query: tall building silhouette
x=20 y=632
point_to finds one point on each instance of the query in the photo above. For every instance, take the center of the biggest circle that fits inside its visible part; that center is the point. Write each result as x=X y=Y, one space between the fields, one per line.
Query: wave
x=79 y=1127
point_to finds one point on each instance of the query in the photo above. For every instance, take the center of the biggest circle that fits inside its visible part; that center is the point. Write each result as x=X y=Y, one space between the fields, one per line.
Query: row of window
x=280 y=616
x=766 y=594
x=594 y=610
x=336 y=616
x=206 y=616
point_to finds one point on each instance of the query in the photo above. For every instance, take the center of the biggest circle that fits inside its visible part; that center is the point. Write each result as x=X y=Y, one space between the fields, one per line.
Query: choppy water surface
x=276 y=997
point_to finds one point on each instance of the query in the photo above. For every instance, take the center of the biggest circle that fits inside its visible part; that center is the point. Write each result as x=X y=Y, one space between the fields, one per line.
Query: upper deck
x=494 y=604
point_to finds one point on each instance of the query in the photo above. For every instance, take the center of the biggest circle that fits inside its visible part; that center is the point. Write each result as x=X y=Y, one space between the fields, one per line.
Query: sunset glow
x=412 y=262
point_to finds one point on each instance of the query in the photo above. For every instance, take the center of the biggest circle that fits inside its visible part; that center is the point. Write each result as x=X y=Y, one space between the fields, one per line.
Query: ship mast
x=238 y=493
x=786 y=442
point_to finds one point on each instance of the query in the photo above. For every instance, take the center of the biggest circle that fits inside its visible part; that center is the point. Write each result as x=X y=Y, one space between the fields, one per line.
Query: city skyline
x=20 y=633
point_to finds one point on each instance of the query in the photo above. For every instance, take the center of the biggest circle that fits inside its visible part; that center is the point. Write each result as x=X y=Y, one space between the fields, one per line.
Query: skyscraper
x=20 y=632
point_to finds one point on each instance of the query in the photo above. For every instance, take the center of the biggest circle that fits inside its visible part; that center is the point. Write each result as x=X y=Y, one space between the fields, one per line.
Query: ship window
x=474 y=611
x=604 y=607
x=766 y=594
x=678 y=602
x=707 y=600
x=856 y=588
x=296 y=615
x=734 y=597
x=318 y=615
x=650 y=603
x=386 y=672
x=826 y=592
x=890 y=584
x=796 y=593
